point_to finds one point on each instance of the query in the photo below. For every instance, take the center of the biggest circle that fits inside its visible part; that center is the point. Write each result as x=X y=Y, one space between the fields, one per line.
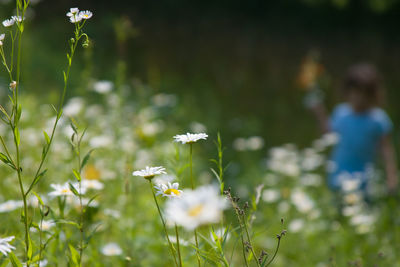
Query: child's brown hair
x=364 y=78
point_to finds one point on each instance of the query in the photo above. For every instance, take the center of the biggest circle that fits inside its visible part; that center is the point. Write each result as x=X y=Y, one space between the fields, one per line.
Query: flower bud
x=13 y=85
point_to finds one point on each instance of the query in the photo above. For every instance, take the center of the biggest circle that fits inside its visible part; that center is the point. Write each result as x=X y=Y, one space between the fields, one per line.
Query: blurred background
x=155 y=69
x=232 y=64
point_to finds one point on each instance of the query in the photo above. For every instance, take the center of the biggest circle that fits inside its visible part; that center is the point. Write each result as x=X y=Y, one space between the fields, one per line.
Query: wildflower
x=190 y=138
x=91 y=172
x=90 y=184
x=111 y=249
x=8 y=22
x=73 y=12
x=17 y=18
x=4 y=246
x=75 y=18
x=2 y=38
x=201 y=206
x=168 y=190
x=10 y=205
x=85 y=14
x=103 y=87
x=302 y=201
x=296 y=225
x=149 y=172
x=63 y=190
x=271 y=195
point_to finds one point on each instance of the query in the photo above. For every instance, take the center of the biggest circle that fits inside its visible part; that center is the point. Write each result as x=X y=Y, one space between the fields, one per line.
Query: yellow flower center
x=92 y=173
x=65 y=190
x=195 y=211
x=169 y=191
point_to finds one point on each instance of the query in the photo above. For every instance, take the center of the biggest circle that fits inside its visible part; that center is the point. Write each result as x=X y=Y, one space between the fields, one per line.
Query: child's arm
x=389 y=160
x=313 y=100
x=321 y=116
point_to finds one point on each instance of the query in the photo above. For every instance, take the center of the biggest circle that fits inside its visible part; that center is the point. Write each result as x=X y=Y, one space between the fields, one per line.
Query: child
x=362 y=127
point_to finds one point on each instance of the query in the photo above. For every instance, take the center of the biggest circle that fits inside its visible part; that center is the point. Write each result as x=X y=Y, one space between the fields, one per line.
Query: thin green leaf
x=86 y=159
x=46 y=137
x=14 y=260
x=73 y=189
x=74 y=255
x=16 y=136
x=77 y=175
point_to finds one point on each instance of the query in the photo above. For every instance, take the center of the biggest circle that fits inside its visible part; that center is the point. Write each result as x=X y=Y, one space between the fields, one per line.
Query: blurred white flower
x=113 y=213
x=92 y=184
x=311 y=160
x=164 y=100
x=284 y=160
x=64 y=190
x=46 y=225
x=10 y=205
x=190 y=138
x=85 y=14
x=302 y=201
x=182 y=242
x=168 y=190
x=203 y=205
x=350 y=185
x=296 y=225
x=149 y=172
x=251 y=143
x=17 y=18
x=255 y=143
x=103 y=87
x=197 y=127
x=2 y=36
x=100 y=141
x=362 y=219
x=271 y=195
x=220 y=233
x=351 y=210
x=152 y=128
x=164 y=179
x=73 y=106
x=352 y=198
x=5 y=247
x=8 y=22
x=111 y=249
x=310 y=179
x=240 y=144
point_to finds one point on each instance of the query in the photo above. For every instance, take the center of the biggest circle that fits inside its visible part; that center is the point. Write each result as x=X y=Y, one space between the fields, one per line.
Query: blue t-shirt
x=359 y=136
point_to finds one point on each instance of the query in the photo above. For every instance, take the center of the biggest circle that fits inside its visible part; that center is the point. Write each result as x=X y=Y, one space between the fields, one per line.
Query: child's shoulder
x=342 y=109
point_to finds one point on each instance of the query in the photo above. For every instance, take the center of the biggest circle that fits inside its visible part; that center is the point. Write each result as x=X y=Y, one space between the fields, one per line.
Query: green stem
x=192 y=183
x=177 y=244
x=163 y=222
x=276 y=252
x=249 y=240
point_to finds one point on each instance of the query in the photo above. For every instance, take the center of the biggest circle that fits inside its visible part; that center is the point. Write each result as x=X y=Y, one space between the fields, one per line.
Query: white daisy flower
x=5 y=248
x=201 y=206
x=63 y=190
x=75 y=18
x=149 y=172
x=190 y=138
x=8 y=22
x=168 y=190
x=10 y=205
x=73 y=11
x=111 y=249
x=85 y=14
